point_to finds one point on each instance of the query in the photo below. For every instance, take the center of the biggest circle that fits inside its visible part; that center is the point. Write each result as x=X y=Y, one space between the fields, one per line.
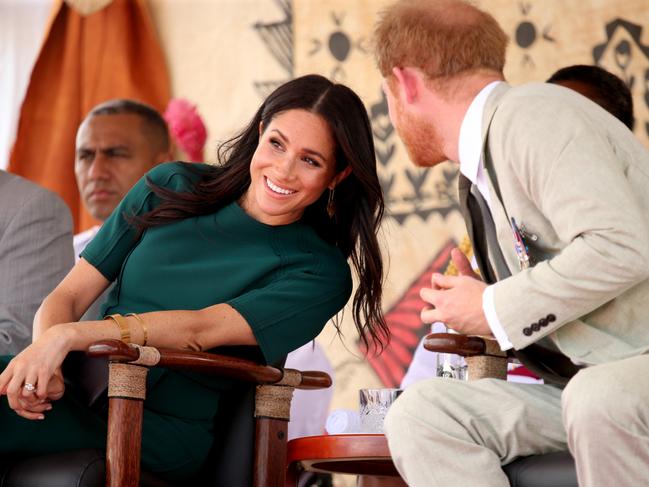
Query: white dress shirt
x=472 y=167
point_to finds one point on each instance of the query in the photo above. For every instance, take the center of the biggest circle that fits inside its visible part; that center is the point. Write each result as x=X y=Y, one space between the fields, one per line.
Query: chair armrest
x=209 y=363
x=464 y=345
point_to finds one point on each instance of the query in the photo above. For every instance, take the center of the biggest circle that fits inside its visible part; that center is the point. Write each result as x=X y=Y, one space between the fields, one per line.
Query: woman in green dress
x=252 y=251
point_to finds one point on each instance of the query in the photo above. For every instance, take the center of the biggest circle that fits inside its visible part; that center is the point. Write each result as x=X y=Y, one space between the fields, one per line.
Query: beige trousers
x=445 y=433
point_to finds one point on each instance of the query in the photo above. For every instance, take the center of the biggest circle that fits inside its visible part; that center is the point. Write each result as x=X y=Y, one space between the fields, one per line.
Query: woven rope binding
x=486 y=367
x=274 y=400
x=291 y=378
x=149 y=356
x=127 y=380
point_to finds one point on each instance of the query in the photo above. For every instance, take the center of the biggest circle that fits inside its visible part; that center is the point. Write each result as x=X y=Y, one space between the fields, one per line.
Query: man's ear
x=339 y=177
x=164 y=156
x=409 y=82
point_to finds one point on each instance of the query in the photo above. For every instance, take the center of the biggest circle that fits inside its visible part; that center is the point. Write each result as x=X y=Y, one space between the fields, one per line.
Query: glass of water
x=450 y=365
x=374 y=406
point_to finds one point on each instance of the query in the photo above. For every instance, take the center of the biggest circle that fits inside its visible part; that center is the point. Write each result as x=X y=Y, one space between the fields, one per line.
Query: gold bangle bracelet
x=142 y=324
x=124 y=329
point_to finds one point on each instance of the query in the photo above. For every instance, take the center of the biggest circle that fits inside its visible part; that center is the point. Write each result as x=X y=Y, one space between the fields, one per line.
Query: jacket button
x=527 y=331
x=544 y=322
x=535 y=326
x=551 y=318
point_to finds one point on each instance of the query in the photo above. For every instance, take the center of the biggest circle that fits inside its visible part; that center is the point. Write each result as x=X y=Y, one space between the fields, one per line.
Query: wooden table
x=363 y=455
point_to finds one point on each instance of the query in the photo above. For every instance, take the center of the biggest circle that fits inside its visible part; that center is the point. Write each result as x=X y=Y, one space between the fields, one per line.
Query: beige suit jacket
x=578 y=180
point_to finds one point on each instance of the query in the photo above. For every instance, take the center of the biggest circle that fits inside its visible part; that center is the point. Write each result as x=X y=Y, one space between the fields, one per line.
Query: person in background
x=599 y=86
x=253 y=251
x=117 y=143
x=35 y=255
x=555 y=194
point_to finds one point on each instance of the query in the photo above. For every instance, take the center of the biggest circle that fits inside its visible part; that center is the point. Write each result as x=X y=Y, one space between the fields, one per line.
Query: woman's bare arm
x=57 y=332
x=190 y=330
x=71 y=298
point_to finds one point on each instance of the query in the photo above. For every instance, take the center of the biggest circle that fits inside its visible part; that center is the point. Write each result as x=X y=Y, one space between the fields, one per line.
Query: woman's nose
x=285 y=166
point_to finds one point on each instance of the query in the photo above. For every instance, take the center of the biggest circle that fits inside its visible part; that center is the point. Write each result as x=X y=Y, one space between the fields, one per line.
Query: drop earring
x=331 y=205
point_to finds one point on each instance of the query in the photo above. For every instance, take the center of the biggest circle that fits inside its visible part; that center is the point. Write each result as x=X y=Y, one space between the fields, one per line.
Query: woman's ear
x=339 y=177
x=261 y=128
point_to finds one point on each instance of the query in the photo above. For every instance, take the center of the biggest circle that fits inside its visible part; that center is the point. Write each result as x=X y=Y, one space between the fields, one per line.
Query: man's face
x=112 y=154
x=420 y=138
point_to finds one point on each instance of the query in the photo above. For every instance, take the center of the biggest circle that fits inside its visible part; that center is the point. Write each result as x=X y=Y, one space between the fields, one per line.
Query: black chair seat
x=549 y=470
x=78 y=468
x=230 y=462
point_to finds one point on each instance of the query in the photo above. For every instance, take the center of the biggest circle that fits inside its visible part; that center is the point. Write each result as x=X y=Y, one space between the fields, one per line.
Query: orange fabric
x=112 y=53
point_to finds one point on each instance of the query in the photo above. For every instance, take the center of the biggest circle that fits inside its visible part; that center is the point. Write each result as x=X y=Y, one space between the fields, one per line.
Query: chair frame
x=128 y=366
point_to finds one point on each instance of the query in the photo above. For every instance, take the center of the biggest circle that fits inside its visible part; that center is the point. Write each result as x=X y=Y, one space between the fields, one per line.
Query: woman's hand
x=39 y=366
x=32 y=407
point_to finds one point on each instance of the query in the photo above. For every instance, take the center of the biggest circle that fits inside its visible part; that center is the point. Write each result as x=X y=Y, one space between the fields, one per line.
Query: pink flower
x=186 y=127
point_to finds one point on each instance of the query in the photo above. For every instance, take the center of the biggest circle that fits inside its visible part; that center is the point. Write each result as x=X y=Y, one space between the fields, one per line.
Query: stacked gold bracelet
x=125 y=329
x=142 y=324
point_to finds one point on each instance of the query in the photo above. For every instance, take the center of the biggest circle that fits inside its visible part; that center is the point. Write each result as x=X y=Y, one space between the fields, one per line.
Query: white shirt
x=472 y=167
x=80 y=240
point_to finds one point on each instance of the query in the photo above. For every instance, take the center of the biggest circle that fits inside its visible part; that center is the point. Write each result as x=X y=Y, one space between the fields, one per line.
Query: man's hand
x=463 y=265
x=457 y=300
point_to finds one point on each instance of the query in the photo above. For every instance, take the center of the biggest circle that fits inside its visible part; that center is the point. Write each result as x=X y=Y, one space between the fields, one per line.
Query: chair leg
x=270 y=452
x=272 y=413
x=126 y=391
x=124 y=442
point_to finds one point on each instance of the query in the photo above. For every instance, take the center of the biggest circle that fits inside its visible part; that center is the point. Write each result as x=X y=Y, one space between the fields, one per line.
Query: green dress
x=284 y=280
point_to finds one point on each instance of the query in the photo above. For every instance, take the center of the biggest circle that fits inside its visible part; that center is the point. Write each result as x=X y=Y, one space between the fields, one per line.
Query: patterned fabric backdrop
x=227 y=55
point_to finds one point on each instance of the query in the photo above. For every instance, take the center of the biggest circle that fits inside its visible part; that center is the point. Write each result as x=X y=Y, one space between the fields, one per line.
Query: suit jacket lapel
x=502 y=224
x=498 y=212
x=474 y=223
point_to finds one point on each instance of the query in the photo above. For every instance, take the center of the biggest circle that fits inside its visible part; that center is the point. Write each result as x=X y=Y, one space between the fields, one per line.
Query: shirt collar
x=470 y=141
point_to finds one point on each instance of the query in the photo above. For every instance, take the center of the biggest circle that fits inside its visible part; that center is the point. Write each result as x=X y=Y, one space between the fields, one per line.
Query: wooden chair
x=128 y=366
x=485 y=360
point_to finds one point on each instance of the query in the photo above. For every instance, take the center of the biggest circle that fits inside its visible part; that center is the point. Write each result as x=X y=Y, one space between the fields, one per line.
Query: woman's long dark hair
x=358 y=198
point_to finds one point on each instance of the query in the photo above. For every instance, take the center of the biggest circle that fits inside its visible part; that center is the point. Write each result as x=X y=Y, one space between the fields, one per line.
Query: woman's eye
x=276 y=143
x=312 y=162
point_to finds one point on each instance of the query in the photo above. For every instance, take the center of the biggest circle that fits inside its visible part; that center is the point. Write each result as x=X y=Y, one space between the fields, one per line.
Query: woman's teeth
x=277 y=189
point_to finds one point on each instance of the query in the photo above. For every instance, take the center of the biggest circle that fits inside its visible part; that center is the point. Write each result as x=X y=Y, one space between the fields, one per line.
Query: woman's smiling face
x=291 y=167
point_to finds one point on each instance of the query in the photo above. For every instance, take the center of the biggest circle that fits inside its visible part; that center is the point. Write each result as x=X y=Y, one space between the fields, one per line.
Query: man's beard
x=421 y=139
